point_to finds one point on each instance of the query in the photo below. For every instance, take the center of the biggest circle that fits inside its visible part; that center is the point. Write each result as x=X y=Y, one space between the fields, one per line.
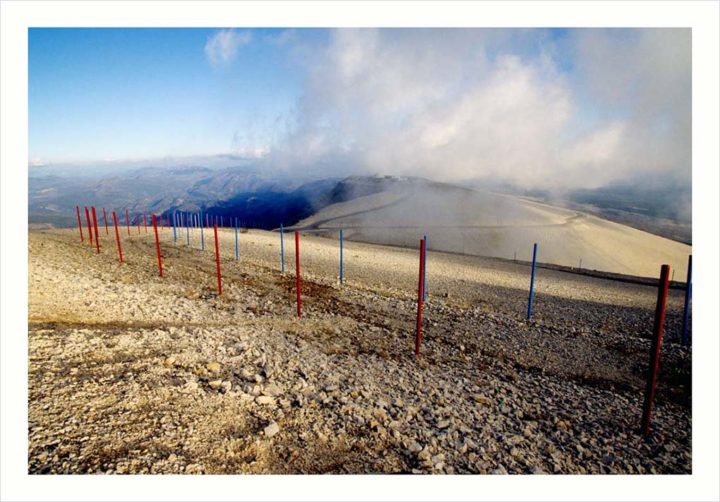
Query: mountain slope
x=132 y=373
x=475 y=222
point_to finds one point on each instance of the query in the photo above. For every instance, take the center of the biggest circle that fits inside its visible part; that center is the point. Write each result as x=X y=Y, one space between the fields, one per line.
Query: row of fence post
x=198 y=221
x=93 y=232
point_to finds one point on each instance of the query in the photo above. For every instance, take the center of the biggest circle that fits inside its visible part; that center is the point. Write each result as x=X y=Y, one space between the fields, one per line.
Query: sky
x=541 y=108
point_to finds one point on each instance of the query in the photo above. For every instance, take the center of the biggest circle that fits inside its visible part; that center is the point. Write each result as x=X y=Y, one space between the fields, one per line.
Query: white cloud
x=584 y=162
x=458 y=105
x=646 y=75
x=221 y=48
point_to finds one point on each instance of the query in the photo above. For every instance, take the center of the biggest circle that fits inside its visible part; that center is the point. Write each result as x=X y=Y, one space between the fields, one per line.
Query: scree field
x=133 y=373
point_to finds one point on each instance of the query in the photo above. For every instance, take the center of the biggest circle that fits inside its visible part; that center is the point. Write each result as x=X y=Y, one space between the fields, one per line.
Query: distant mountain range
x=241 y=192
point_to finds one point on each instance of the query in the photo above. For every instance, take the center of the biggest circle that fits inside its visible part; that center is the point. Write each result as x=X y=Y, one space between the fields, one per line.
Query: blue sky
x=542 y=107
x=117 y=93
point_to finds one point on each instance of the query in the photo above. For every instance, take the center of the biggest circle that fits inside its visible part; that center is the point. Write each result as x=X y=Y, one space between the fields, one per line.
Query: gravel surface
x=131 y=373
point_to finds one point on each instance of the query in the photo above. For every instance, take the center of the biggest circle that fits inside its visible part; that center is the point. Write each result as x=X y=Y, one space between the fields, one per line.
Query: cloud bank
x=537 y=108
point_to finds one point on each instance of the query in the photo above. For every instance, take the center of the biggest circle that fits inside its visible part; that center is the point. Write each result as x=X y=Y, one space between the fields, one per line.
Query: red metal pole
x=77 y=210
x=117 y=238
x=127 y=221
x=145 y=220
x=655 y=348
x=87 y=219
x=217 y=261
x=297 y=274
x=157 y=243
x=97 y=237
x=107 y=232
x=137 y=220
x=421 y=281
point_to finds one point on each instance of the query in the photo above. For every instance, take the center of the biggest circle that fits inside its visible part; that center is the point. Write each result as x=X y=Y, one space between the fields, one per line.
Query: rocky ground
x=131 y=373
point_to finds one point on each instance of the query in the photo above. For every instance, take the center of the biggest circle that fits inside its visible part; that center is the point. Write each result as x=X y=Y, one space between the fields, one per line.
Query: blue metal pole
x=174 y=220
x=425 y=268
x=532 y=283
x=237 y=249
x=282 y=249
x=187 y=226
x=686 y=308
x=342 y=271
x=202 y=233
